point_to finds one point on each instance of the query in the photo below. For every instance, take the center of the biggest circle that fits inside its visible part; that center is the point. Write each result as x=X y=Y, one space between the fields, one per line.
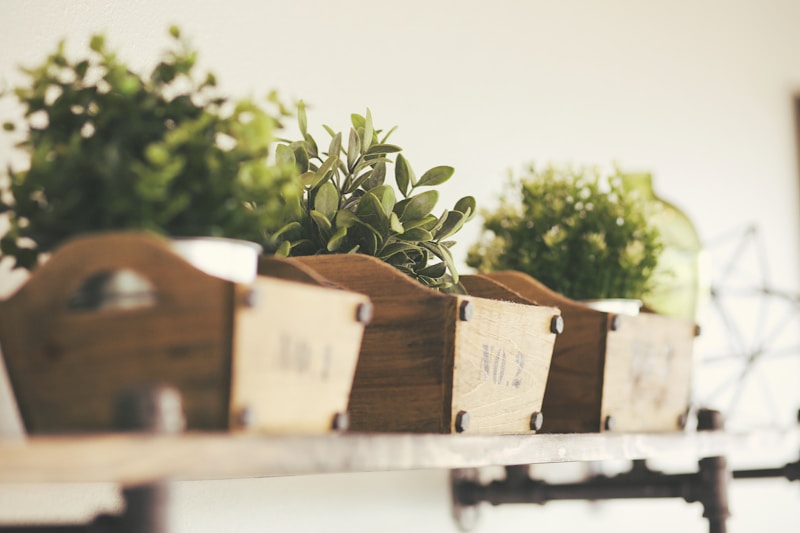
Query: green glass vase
x=679 y=279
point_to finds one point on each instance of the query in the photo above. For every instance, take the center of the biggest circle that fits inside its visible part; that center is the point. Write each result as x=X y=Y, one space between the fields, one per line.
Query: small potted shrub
x=348 y=206
x=580 y=232
x=143 y=163
x=110 y=149
x=581 y=240
x=422 y=360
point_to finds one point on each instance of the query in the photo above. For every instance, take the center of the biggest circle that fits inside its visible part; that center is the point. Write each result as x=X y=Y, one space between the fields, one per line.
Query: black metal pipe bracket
x=155 y=409
x=790 y=471
x=708 y=486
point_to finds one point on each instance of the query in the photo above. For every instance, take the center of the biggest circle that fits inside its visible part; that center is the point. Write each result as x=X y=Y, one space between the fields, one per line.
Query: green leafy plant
x=580 y=232
x=349 y=208
x=110 y=149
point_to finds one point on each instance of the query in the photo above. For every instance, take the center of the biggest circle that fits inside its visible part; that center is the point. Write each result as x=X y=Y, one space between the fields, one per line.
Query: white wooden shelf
x=141 y=458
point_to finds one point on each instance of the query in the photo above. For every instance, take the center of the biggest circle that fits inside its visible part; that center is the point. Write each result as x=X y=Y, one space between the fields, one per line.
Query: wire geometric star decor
x=748 y=365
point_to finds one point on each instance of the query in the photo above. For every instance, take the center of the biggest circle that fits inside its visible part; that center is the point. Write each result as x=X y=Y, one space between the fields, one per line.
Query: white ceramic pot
x=231 y=259
x=619 y=306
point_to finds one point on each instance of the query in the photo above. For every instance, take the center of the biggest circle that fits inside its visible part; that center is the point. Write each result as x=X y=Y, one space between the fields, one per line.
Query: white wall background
x=698 y=92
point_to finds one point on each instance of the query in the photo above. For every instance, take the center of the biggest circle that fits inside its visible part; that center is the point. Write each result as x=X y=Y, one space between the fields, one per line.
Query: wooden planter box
x=612 y=372
x=274 y=355
x=441 y=363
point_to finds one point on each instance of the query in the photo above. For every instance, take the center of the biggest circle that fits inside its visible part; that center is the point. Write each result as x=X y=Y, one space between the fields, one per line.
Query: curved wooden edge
x=81 y=257
x=485 y=287
x=368 y=274
x=292 y=270
x=532 y=289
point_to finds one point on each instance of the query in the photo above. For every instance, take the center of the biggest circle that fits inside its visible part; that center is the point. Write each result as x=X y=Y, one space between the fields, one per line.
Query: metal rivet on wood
x=252 y=298
x=364 y=312
x=557 y=325
x=466 y=310
x=462 y=421
x=341 y=421
x=245 y=417
x=537 y=420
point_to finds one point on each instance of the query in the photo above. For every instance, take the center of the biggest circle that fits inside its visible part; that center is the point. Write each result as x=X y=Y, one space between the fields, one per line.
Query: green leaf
x=369 y=227
x=357 y=121
x=466 y=205
x=322 y=222
x=290 y=231
x=405 y=269
x=394 y=223
x=370 y=243
x=400 y=206
x=324 y=172
x=427 y=222
x=403 y=174
x=416 y=235
x=369 y=131
x=336 y=145
x=284 y=155
x=326 y=200
x=452 y=223
x=420 y=205
x=353 y=148
x=363 y=237
x=346 y=218
x=336 y=240
x=368 y=205
x=435 y=176
x=385 y=194
x=300 y=156
x=439 y=223
x=445 y=255
x=376 y=177
x=371 y=210
x=311 y=146
x=351 y=201
x=307 y=179
x=369 y=162
x=395 y=248
x=434 y=271
x=383 y=149
x=427 y=280
x=284 y=249
x=97 y=43
x=359 y=181
x=157 y=154
x=81 y=69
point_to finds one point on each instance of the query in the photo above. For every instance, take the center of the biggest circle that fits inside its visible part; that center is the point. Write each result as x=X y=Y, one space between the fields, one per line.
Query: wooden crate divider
x=441 y=363
x=273 y=356
x=612 y=372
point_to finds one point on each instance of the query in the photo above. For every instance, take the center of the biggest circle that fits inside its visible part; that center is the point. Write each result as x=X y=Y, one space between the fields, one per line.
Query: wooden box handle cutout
x=70 y=279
